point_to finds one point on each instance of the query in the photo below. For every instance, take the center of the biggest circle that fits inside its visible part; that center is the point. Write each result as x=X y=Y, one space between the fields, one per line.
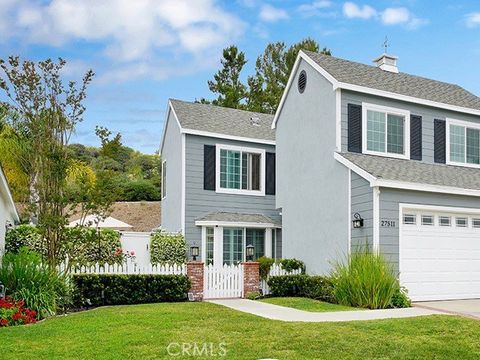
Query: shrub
x=400 y=298
x=167 y=248
x=101 y=289
x=364 y=280
x=13 y=312
x=265 y=265
x=42 y=287
x=293 y=264
x=86 y=246
x=254 y=295
x=140 y=190
x=24 y=235
x=315 y=287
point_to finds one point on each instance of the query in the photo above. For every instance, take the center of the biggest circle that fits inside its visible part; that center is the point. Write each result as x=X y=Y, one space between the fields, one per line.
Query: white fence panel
x=129 y=267
x=276 y=270
x=223 y=281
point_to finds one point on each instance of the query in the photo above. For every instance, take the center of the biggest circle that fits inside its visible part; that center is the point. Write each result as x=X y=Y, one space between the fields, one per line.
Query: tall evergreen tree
x=226 y=82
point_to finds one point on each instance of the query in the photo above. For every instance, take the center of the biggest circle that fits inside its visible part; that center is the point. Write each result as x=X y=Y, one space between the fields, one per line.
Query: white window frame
x=465 y=124
x=221 y=190
x=406 y=130
x=164 y=179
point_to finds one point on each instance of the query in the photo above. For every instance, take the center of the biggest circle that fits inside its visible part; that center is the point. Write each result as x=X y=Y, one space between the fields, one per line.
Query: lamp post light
x=194 y=251
x=358 y=221
x=2 y=291
x=250 y=252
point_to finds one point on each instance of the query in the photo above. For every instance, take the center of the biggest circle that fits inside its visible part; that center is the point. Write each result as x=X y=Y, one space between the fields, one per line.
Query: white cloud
x=352 y=10
x=316 y=5
x=269 y=13
x=473 y=19
x=128 y=30
x=393 y=16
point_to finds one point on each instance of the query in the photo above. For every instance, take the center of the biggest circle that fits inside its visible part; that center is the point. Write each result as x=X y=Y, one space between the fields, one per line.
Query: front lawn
x=306 y=304
x=144 y=332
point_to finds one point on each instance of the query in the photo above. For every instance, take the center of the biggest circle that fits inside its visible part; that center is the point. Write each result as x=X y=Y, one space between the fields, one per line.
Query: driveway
x=470 y=308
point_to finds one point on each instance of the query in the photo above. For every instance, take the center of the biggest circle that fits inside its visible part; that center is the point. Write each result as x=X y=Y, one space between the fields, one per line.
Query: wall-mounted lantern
x=194 y=251
x=357 y=221
x=250 y=252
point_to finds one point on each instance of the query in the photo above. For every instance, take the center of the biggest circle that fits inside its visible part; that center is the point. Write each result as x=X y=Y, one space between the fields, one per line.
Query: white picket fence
x=223 y=281
x=275 y=270
x=127 y=268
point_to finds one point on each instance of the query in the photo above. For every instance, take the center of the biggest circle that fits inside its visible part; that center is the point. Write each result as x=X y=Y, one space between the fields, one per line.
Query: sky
x=144 y=52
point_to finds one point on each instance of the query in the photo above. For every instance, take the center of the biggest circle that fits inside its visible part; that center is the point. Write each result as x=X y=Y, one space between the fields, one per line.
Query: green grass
x=144 y=331
x=306 y=304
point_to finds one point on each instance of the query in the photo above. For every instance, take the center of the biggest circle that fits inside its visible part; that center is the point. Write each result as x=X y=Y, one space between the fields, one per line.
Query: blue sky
x=146 y=51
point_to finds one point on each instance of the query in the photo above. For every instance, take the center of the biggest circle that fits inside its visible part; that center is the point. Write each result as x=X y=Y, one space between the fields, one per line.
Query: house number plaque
x=389 y=223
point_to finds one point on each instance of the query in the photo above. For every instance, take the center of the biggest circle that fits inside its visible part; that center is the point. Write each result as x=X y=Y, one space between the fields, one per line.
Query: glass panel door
x=256 y=237
x=232 y=245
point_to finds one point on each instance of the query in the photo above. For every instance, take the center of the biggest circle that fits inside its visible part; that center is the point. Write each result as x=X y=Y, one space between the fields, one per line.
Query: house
x=218 y=185
x=370 y=156
x=95 y=221
x=8 y=212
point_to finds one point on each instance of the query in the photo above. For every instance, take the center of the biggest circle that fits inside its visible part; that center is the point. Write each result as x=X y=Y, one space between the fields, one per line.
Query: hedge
x=314 y=287
x=103 y=289
x=167 y=248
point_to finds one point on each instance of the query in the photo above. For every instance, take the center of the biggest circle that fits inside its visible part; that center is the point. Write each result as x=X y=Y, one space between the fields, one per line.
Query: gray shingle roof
x=417 y=172
x=404 y=84
x=238 y=217
x=221 y=120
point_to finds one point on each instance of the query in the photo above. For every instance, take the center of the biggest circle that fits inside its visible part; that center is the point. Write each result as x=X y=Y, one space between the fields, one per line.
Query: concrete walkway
x=282 y=313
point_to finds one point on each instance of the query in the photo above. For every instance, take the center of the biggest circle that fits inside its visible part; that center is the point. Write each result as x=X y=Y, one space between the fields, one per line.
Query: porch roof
x=236 y=219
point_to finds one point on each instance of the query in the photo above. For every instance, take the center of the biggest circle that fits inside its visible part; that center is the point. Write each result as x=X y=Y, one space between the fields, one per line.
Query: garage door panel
x=440 y=262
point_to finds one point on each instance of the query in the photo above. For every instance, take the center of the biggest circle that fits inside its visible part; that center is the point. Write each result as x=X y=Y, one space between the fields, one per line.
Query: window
x=427 y=220
x=256 y=237
x=386 y=131
x=209 y=246
x=409 y=219
x=463 y=142
x=240 y=170
x=232 y=246
x=164 y=179
x=444 y=220
x=476 y=223
x=461 y=221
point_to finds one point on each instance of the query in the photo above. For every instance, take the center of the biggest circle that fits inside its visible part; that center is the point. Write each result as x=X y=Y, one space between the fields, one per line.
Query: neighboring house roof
x=7 y=195
x=107 y=223
x=205 y=118
x=233 y=217
x=143 y=216
x=355 y=73
x=389 y=172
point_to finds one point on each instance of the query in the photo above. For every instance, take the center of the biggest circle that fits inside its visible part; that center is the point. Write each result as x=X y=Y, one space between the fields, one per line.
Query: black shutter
x=439 y=135
x=415 y=137
x=354 y=128
x=270 y=174
x=209 y=153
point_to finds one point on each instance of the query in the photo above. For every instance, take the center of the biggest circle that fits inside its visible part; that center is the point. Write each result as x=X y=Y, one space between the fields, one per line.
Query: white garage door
x=440 y=254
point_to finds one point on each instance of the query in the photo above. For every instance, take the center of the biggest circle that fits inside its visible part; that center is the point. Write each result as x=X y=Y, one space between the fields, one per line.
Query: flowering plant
x=13 y=312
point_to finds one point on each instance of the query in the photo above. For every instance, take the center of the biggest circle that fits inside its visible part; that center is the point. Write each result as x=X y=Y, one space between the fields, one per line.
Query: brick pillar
x=251 y=277
x=195 y=274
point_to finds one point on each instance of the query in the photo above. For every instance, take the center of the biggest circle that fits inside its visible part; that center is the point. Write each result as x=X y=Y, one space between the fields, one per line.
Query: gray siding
x=389 y=209
x=171 y=213
x=428 y=114
x=362 y=203
x=199 y=202
x=312 y=187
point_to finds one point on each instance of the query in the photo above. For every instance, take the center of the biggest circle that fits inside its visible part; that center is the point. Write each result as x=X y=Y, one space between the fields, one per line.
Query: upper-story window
x=240 y=170
x=463 y=143
x=386 y=131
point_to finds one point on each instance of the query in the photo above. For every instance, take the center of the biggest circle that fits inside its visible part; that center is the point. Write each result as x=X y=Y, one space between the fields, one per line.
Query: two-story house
x=367 y=155
x=218 y=181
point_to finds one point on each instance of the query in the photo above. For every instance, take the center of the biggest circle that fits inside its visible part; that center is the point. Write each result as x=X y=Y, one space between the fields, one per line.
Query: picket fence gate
x=223 y=281
x=127 y=268
x=275 y=270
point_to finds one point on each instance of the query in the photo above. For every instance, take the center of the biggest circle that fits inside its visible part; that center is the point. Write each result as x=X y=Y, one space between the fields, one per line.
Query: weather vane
x=386 y=44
